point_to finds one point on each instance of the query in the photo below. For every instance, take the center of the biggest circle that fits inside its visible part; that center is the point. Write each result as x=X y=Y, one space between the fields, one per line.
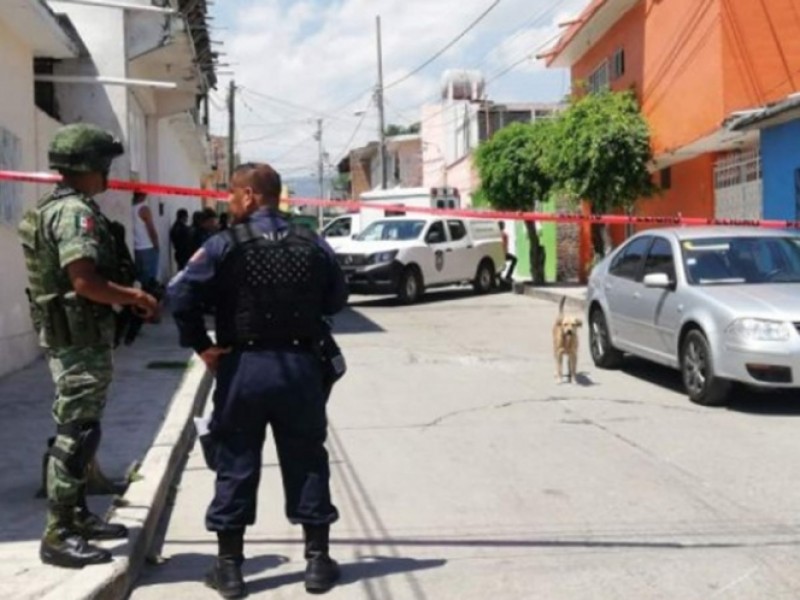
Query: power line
x=536 y=19
x=449 y=45
x=426 y=63
x=355 y=133
x=291 y=105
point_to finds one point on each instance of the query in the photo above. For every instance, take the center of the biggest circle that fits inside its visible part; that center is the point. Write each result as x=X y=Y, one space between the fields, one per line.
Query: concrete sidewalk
x=156 y=390
x=575 y=293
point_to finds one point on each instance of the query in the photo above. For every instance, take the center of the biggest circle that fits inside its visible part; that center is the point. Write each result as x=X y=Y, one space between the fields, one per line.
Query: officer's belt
x=276 y=345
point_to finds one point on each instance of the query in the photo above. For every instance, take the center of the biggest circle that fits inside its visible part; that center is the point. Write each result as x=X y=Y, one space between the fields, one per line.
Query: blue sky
x=299 y=60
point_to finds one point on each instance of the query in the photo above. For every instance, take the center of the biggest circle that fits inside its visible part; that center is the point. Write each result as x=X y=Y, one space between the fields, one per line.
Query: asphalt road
x=463 y=470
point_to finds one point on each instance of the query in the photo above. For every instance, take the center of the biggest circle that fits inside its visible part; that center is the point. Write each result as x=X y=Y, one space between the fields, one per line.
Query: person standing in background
x=510 y=258
x=145 y=240
x=180 y=236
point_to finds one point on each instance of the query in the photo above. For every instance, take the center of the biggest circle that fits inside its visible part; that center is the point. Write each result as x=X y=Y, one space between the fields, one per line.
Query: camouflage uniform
x=76 y=333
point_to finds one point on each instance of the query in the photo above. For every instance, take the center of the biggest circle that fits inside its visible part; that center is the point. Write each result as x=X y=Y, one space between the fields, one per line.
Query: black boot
x=322 y=572
x=92 y=527
x=225 y=575
x=65 y=548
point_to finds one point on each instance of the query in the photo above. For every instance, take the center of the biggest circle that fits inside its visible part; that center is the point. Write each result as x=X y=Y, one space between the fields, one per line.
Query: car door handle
x=449 y=249
x=469 y=246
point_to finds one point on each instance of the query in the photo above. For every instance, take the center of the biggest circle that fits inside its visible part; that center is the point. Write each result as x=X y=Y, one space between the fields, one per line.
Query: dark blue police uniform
x=273 y=375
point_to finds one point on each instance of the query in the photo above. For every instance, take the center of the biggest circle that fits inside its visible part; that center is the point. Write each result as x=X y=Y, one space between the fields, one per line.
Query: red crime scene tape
x=609 y=219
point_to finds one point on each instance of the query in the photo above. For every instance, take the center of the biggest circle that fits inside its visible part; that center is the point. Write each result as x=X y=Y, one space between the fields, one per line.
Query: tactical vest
x=60 y=317
x=270 y=288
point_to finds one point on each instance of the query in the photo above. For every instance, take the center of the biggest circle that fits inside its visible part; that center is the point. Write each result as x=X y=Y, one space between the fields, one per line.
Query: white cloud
x=321 y=54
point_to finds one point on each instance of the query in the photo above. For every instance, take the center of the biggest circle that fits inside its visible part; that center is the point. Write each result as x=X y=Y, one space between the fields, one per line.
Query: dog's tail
x=561 y=306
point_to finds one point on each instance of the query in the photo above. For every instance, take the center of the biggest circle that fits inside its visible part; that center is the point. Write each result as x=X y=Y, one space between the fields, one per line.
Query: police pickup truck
x=407 y=255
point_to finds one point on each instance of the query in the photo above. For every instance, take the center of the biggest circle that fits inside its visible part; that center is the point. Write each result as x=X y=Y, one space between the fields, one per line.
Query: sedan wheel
x=697 y=368
x=604 y=355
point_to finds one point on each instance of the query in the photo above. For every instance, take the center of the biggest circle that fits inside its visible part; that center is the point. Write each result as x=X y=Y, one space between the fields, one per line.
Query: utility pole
x=379 y=102
x=320 y=169
x=231 y=129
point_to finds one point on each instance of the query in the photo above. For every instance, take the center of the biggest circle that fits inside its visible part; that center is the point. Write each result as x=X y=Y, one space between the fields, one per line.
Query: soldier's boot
x=92 y=527
x=322 y=572
x=62 y=546
x=225 y=574
x=97 y=484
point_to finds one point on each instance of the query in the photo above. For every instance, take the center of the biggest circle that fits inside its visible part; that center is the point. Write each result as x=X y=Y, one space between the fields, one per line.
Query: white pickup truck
x=406 y=255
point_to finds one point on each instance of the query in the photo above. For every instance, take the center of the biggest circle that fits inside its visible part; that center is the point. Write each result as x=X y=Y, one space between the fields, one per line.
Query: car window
x=339 y=228
x=436 y=234
x=742 y=259
x=660 y=259
x=626 y=264
x=457 y=230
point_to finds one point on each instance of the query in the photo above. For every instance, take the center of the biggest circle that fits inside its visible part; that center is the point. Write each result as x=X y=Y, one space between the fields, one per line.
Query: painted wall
x=175 y=169
x=780 y=159
x=761 y=57
x=18 y=344
x=673 y=61
x=103 y=33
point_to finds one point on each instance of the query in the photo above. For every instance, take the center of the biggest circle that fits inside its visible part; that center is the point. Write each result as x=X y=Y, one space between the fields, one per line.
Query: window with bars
x=599 y=79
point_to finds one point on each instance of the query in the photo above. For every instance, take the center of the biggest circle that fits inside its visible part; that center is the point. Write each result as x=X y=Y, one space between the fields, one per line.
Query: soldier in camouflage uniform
x=77 y=273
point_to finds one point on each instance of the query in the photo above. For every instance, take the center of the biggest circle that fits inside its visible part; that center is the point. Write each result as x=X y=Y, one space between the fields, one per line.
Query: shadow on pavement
x=192 y=566
x=137 y=402
x=351 y=321
x=743 y=398
x=353 y=572
x=431 y=297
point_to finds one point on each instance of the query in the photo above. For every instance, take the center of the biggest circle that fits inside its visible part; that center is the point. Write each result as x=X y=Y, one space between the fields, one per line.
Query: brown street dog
x=565 y=342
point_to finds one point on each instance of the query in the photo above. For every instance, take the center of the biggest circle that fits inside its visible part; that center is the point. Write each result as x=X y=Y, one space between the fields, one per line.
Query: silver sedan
x=722 y=305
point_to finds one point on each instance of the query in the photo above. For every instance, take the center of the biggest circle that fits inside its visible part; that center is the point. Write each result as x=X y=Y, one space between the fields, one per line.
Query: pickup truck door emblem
x=439 y=260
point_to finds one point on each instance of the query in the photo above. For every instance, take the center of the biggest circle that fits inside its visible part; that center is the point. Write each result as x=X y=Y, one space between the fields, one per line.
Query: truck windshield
x=401 y=229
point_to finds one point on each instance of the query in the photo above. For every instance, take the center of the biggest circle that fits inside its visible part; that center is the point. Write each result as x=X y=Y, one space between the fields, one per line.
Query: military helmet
x=83 y=148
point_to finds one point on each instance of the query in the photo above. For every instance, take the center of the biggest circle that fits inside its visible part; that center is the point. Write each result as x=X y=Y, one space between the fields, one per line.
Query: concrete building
x=453 y=128
x=28 y=30
x=697 y=67
x=403 y=164
x=140 y=73
x=451 y=131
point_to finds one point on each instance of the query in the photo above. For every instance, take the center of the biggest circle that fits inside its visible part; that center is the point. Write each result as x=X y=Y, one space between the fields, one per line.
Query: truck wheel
x=411 y=286
x=484 y=278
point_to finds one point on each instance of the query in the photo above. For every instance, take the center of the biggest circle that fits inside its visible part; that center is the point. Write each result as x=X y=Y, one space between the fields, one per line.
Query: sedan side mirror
x=657 y=280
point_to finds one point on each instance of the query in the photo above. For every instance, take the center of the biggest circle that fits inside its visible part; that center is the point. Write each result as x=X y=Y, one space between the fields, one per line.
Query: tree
x=393 y=130
x=599 y=150
x=513 y=177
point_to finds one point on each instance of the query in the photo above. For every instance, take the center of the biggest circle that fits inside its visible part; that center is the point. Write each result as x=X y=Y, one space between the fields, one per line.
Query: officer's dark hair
x=182 y=214
x=263 y=179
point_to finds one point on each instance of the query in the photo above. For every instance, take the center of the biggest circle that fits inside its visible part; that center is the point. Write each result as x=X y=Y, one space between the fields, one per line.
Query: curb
x=146 y=498
x=552 y=295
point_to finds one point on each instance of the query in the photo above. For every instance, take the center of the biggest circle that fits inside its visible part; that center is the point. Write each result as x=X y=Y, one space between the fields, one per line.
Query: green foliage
x=510 y=166
x=599 y=150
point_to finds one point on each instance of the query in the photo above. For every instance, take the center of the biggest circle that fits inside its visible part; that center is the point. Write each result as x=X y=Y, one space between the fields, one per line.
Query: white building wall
x=18 y=345
x=174 y=168
x=103 y=33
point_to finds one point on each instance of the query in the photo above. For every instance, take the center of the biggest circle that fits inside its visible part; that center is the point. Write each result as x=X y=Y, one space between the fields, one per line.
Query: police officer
x=77 y=272
x=271 y=284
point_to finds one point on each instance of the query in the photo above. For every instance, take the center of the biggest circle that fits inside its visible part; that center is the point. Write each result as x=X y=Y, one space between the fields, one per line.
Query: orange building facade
x=694 y=65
